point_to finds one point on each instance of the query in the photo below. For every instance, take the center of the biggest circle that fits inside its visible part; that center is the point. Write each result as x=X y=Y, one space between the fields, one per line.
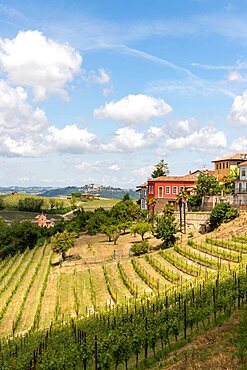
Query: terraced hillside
x=36 y=291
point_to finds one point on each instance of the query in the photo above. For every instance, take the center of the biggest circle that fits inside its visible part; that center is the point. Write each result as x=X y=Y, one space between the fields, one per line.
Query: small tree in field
x=61 y=242
x=109 y=230
x=141 y=229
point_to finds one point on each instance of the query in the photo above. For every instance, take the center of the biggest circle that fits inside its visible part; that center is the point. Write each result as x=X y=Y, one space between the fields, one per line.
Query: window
x=223 y=165
x=220 y=166
x=243 y=172
x=160 y=192
x=151 y=189
x=174 y=190
x=167 y=189
x=227 y=165
x=217 y=166
x=182 y=188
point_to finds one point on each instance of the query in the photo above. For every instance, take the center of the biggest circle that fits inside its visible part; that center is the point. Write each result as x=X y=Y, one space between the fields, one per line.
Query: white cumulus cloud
x=134 y=109
x=238 y=114
x=127 y=139
x=31 y=59
x=240 y=144
x=205 y=139
x=70 y=139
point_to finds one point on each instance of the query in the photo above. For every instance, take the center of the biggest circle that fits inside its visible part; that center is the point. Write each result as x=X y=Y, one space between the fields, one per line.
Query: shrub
x=140 y=248
x=222 y=212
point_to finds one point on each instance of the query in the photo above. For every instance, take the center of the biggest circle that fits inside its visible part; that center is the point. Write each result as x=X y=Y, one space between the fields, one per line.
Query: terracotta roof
x=243 y=164
x=142 y=185
x=206 y=172
x=189 y=177
x=236 y=156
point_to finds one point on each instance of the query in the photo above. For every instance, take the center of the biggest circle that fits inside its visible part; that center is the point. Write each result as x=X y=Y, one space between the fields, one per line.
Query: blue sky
x=100 y=91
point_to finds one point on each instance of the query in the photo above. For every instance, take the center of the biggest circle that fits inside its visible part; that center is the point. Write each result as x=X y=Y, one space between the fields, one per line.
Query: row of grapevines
x=232 y=245
x=111 y=290
x=13 y=274
x=119 y=336
x=14 y=289
x=180 y=264
x=92 y=289
x=215 y=251
x=57 y=310
x=240 y=238
x=145 y=276
x=29 y=286
x=167 y=273
x=42 y=293
x=9 y=264
x=198 y=258
x=127 y=282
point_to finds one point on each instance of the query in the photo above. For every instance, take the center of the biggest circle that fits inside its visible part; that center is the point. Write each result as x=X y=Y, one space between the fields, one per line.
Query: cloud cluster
x=204 y=139
x=238 y=114
x=134 y=109
x=33 y=60
x=128 y=139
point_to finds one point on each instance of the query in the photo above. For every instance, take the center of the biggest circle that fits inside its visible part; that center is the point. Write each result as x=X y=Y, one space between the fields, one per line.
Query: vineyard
x=119 y=311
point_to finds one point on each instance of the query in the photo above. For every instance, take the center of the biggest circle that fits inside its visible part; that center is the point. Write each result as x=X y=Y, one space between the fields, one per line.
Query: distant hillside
x=101 y=191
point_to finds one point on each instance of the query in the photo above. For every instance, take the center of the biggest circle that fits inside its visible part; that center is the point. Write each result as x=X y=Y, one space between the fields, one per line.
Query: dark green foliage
x=166 y=230
x=98 y=218
x=79 y=222
x=1 y=203
x=61 y=242
x=161 y=169
x=222 y=212
x=194 y=203
x=31 y=204
x=126 y=210
x=140 y=248
x=17 y=238
x=207 y=185
x=76 y=194
x=126 y=197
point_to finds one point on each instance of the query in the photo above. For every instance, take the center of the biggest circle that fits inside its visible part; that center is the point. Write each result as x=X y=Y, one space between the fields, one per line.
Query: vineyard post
x=95 y=353
x=214 y=301
x=146 y=341
x=185 y=320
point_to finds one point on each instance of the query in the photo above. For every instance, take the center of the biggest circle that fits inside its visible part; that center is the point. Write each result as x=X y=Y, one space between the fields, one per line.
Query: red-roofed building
x=224 y=165
x=166 y=188
x=42 y=221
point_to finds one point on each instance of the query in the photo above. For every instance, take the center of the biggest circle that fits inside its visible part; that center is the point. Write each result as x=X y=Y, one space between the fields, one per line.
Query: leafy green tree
x=98 y=218
x=161 y=169
x=76 y=194
x=109 y=230
x=166 y=230
x=207 y=185
x=126 y=197
x=141 y=229
x=126 y=211
x=18 y=237
x=229 y=181
x=31 y=204
x=140 y=248
x=62 y=242
x=125 y=226
x=222 y=212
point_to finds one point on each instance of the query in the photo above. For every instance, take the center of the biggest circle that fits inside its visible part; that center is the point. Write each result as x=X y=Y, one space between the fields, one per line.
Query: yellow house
x=223 y=166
